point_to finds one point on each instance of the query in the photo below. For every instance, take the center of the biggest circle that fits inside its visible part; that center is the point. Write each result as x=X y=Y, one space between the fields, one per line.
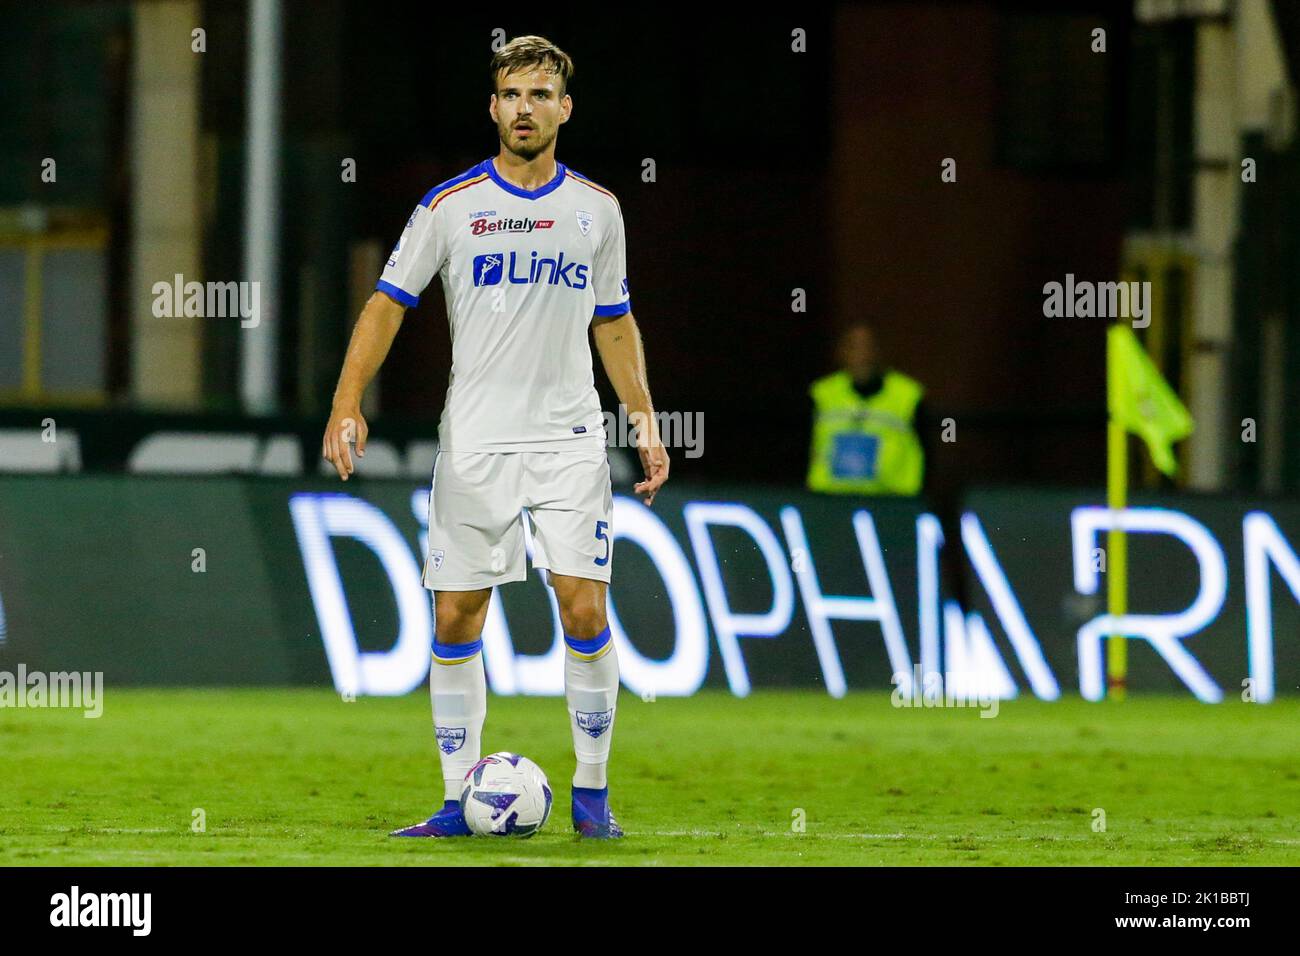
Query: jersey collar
x=512 y=189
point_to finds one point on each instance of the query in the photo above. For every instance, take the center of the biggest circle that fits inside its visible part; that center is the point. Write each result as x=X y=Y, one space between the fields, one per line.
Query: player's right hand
x=346 y=426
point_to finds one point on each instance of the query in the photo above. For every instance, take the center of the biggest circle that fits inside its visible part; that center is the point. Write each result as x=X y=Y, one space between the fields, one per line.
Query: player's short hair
x=532 y=51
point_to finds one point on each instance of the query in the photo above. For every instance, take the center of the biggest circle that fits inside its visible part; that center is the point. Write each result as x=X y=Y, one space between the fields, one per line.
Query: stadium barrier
x=257 y=581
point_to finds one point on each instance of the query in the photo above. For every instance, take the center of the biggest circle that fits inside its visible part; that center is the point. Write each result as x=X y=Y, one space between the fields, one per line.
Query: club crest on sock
x=595 y=723
x=450 y=739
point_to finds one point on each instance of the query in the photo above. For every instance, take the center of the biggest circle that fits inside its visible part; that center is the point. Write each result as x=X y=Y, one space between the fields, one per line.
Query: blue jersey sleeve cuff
x=609 y=311
x=401 y=295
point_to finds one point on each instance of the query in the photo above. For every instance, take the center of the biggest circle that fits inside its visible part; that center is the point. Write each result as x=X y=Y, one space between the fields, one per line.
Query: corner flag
x=1141 y=401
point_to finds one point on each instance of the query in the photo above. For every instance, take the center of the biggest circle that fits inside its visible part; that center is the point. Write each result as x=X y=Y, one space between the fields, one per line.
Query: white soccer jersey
x=524 y=272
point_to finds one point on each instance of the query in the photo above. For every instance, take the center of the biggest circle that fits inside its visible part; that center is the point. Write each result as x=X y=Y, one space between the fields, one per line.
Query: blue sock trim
x=455 y=652
x=589 y=645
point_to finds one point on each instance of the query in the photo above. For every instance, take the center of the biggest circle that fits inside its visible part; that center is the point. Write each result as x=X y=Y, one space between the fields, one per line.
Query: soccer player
x=530 y=253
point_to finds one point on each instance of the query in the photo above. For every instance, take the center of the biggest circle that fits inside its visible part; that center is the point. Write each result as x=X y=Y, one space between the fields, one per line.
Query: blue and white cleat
x=447 y=822
x=591 y=816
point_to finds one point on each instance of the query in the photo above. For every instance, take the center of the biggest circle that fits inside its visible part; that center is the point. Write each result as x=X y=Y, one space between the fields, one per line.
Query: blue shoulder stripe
x=585 y=177
x=475 y=170
x=588 y=181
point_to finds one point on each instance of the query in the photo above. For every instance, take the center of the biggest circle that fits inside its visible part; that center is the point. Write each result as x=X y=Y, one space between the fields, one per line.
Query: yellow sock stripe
x=591 y=657
x=455 y=660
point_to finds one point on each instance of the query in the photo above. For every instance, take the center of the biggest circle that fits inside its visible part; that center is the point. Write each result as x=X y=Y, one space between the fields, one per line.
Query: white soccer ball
x=505 y=794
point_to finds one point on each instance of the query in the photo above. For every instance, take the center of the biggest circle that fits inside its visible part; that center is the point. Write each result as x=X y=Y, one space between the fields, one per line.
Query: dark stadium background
x=775 y=170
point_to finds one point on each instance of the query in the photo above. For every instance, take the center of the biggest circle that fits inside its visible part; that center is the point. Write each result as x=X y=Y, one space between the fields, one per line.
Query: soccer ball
x=505 y=794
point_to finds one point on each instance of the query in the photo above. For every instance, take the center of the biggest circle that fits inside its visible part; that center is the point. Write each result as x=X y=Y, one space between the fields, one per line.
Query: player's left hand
x=654 y=462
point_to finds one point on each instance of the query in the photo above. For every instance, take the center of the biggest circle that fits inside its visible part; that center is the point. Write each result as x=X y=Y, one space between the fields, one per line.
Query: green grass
x=302 y=777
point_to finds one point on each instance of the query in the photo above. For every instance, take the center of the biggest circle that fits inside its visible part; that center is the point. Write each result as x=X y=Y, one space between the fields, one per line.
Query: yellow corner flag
x=1141 y=401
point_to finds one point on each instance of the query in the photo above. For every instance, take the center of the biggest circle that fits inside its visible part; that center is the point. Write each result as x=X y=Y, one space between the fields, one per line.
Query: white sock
x=458 y=690
x=591 y=691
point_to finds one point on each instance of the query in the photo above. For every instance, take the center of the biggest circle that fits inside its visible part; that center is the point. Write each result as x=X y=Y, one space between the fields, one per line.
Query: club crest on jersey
x=450 y=739
x=596 y=723
x=584 y=221
x=436 y=557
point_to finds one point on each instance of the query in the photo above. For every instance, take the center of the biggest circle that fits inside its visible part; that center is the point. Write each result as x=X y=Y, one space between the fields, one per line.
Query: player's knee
x=583 y=618
x=458 y=622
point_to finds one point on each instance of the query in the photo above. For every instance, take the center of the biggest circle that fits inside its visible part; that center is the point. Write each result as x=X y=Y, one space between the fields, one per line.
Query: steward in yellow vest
x=866 y=444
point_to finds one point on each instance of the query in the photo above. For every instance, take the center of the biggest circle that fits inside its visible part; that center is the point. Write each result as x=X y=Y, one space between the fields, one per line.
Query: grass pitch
x=300 y=777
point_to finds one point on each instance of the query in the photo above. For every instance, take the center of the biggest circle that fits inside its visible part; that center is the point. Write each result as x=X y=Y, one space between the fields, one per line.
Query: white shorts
x=476 y=526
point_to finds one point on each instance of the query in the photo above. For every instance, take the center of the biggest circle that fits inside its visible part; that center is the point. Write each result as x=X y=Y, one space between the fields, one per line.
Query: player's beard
x=525 y=149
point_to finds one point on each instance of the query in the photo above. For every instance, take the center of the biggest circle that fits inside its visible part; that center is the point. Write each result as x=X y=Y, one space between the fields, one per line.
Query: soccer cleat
x=447 y=822
x=591 y=816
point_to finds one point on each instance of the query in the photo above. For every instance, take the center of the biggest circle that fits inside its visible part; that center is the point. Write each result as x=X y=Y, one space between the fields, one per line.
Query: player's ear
x=492 y=108
x=567 y=104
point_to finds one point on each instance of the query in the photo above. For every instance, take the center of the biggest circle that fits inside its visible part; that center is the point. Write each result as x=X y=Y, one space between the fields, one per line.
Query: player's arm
x=618 y=340
x=417 y=257
x=371 y=339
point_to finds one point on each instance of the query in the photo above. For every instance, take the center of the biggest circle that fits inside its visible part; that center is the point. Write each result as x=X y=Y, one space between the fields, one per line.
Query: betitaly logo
x=486 y=227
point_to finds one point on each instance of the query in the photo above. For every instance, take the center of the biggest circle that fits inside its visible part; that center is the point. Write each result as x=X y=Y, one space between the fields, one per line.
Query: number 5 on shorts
x=601 y=527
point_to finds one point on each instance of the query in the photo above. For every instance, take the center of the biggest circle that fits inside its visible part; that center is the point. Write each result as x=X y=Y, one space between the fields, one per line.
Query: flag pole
x=1116 y=538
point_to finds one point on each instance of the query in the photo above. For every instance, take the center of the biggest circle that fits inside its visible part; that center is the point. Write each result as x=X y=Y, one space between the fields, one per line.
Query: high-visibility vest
x=866 y=446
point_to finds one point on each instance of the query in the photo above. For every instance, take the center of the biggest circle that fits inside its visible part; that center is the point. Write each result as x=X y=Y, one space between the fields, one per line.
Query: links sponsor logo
x=493 y=267
x=485 y=227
